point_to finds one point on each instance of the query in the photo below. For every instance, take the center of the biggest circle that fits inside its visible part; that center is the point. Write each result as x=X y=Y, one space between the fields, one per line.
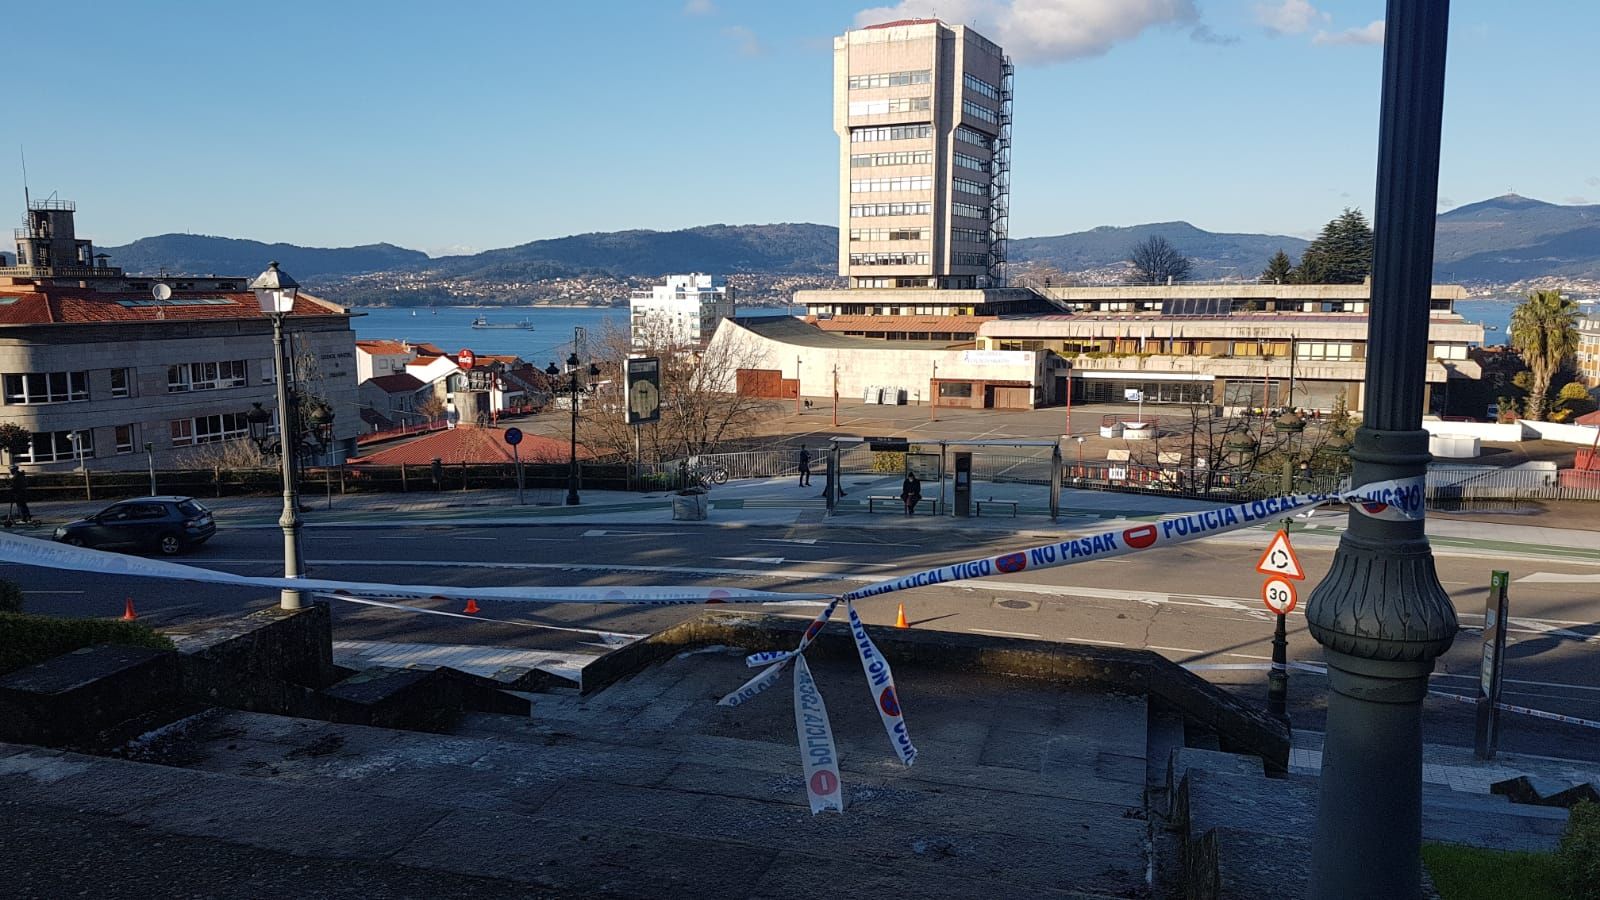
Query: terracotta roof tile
x=468 y=444
x=397 y=383
x=383 y=347
x=82 y=306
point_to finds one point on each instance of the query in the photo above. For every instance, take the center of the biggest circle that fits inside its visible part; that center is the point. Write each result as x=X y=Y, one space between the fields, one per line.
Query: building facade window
x=972 y=162
x=970 y=211
x=868 y=210
x=894 y=105
x=904 y=158
x=126 y=439
x=57 y=446
x=979 y=86
x=1322 y=350
x=121 y=382
x=890 y=133
x=969 y=235
x=205 y=376
x=955 y=389
x=886 y=283
x=888 y=234
x=209 y=429
x=47 y=387
x=888 y=259
x=969 y=259
x=971 y=187
x=890 y=79
x=877 y=185
x=974 y=137
x=981 y=113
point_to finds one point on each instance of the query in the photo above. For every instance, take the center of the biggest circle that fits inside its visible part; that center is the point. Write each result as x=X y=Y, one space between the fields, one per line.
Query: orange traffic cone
x=900 y=618
x=472 y=607
x=128 y=615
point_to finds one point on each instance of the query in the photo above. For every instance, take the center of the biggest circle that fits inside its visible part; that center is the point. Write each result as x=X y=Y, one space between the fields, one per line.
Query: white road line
x=786 y=540
x=1173 y=649
x=1019 y=634
x=1550 y=684
x=1084 y=640
x=1556 y=578
x=1249 y=656
x=766 y=560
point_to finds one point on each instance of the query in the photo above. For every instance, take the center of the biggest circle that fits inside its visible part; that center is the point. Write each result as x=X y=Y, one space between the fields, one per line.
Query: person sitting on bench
x=911 y=493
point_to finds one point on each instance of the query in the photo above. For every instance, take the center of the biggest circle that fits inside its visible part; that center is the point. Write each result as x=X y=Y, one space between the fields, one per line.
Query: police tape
x=1521 y=710
x=880 y=684
x=34 y=552
x=818 y=754
x=1398 y=500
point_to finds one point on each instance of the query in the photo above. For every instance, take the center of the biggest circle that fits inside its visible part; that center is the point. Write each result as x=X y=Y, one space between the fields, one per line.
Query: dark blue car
x=168 y=524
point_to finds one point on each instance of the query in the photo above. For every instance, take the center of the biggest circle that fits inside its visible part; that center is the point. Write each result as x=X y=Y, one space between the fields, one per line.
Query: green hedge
x=27 y=639
x=1578 y=859
x=10 y=597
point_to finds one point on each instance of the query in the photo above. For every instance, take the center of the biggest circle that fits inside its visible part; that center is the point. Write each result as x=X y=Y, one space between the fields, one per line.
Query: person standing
x=805 y=466
x=911 y=492
x=19 y=494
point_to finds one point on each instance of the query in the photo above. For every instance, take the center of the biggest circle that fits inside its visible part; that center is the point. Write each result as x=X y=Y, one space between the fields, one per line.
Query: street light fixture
x=150 y=457
x=275 y=292
x=572 y=370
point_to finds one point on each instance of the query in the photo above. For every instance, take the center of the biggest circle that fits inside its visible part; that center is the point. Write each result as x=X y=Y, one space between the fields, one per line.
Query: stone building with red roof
x=116 y=371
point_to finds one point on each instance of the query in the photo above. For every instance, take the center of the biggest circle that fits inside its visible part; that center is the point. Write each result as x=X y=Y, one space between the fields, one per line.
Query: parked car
x=168 y=524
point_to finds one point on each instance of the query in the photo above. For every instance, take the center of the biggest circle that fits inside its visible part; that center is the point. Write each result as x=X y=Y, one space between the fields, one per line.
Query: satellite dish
x=161 y=292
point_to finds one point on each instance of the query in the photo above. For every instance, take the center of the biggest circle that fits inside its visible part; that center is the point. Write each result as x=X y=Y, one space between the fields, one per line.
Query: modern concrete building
x=102 y=368
x=776 y=354
x=923 y=114
x=1229 y=345
x=683 y=312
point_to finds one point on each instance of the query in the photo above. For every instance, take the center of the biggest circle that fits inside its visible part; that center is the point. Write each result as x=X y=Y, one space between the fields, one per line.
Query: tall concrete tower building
x=923 y=114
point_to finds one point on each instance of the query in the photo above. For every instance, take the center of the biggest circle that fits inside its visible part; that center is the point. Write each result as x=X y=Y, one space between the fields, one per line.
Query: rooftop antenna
x=27 y=199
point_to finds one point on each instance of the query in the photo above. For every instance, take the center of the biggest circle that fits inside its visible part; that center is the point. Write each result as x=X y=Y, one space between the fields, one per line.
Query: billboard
x=644 y=390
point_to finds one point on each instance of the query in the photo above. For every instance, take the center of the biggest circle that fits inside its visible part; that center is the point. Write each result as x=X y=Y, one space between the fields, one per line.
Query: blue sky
x=472 y=125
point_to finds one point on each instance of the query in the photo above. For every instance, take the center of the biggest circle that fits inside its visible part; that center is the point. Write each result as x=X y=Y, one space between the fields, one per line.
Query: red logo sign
x=466 y=358
x=717 y=596
x=1141 y=537
x=824 y=783
x=1011 y=562
x=888 y=702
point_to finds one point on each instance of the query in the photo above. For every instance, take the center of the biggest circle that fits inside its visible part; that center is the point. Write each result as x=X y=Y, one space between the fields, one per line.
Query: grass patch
x=1468 y=873
x=27 y=639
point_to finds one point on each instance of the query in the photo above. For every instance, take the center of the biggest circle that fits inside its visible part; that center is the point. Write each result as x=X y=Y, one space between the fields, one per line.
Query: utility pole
x=1380 y=613
x=797 y=385
x=933 y=395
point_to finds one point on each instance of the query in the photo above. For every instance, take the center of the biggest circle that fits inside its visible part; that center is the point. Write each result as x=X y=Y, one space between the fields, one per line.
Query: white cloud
x=1290 y=16
x=1371 y=33
x=1046 y=31
x=745 y=39
x=699 y=8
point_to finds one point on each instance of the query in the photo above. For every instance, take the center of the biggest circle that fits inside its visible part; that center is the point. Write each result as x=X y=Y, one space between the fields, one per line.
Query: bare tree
x=1155 y=261
x=240 y=453
x=700 y=408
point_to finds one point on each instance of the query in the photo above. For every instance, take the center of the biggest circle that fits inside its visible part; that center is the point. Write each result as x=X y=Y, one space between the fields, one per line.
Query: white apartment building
x=1588 y=356
x=923 y=114
x=684 y=312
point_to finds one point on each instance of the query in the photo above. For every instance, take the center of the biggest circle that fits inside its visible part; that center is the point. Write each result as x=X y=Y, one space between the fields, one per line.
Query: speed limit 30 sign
x=1279 y=595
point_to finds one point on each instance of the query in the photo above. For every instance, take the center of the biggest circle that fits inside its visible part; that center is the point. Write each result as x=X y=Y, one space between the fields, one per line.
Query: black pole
x=1278 y=675
x=572 y=466
x=1380 y=614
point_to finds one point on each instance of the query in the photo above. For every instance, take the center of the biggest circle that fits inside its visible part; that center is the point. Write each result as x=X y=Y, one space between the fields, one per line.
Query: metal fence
x=1486 y=487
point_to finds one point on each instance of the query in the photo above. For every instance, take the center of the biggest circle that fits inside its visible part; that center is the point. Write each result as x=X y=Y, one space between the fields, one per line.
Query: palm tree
x=1544 y=330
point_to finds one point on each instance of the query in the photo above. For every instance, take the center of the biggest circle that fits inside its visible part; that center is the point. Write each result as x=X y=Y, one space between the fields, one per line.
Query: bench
x=993 y=502
x=898 y=503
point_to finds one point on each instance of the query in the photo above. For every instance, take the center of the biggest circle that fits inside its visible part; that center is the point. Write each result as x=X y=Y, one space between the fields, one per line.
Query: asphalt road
x=1198 y=604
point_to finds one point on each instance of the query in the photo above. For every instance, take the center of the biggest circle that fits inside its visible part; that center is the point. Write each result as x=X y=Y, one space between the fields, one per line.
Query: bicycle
x=713 y=474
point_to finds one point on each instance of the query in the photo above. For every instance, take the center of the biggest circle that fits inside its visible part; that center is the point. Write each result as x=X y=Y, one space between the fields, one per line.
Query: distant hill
x=1215 y=255
x=1501 y=240
x=197 y=254
x=1510 y=238
x=788 y=248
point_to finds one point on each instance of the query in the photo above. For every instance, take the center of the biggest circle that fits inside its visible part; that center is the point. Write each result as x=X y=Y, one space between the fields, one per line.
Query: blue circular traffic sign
x=513 y=436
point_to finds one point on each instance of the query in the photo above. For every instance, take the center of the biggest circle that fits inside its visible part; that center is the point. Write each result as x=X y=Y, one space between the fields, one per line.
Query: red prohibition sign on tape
x=1279 y=595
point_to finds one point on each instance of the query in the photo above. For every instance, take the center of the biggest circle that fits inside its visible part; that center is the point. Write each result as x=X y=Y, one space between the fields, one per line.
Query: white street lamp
x=275 y=292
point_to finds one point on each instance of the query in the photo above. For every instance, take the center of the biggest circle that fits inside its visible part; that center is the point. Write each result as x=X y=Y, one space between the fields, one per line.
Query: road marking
x=1550 y=684
x=1084 y=640
x=1173 y=649
x=600 y=532
x=786 y=540
x=1557 y=578
x=1018 y=634
x=767 y=560
x=1249 y=656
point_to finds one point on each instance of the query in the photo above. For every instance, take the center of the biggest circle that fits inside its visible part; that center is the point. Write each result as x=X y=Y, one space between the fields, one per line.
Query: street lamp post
x=1380 y=613
x=275 y=292
x=572 y=467
x=150 y=457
